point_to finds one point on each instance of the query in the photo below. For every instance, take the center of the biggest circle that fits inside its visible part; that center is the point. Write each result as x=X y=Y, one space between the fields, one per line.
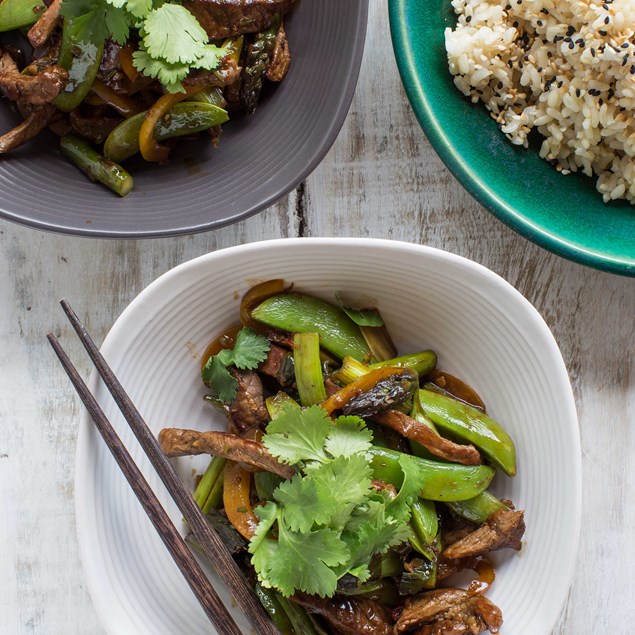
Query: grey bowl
x=259 y=159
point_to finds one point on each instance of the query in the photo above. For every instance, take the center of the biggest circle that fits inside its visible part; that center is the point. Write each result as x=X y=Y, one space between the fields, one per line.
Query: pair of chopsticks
x=172 y=539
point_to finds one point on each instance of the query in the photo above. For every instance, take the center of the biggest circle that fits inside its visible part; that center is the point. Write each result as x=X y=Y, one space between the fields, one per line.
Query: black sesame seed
x=577 y=92
x=625 y=45
x=607 y=20
x=468 y=19
x=603 y=33
x=571 y=45
x=592 y=51
x=571 y=30
x=500 y=85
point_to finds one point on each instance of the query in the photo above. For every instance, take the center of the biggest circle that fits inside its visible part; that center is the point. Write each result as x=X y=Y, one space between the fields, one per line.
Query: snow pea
x=81 y=60
x=15 y=14
x=185 y=118
x=298 y=313
x=443 y=481
x=479 y=508
x=469 y=424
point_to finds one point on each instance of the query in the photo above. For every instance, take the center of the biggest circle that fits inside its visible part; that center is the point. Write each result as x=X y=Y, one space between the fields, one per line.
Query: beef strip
x=31 y=127
x=42 y=30
x=278 y=365
x=38 y=89
x=228 y=18
x=227 y=73
x=176 y=442
x=503 y=529
x=448 y=611
x=349 y=615
x=248 y=409
x=428 y=438
x=95 y=129
x=281 y=58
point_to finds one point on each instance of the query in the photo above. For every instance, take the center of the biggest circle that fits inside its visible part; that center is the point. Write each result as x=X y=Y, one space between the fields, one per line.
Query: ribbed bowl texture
x=260 y=158
x=483 y=330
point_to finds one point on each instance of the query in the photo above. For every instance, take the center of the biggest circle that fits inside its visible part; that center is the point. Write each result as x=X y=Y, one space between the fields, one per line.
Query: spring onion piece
x=422 y=576
x=301 y=621
x=277 y=402
x=206 y=485
x=479 y=508
x=297 y=313
x=308 y=368
x=15 y=14
x=97 y=167
x=443 y=481
x=379 y=342
x=471 y=425
x=270 y=601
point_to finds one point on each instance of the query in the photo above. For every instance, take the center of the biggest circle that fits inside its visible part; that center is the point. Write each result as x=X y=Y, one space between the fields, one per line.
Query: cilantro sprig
x=172 y=41
x=327 y=520
x=249 y=351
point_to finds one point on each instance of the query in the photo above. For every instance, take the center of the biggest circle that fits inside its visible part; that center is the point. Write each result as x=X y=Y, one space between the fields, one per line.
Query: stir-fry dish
x=114 y=78
x=352 y=483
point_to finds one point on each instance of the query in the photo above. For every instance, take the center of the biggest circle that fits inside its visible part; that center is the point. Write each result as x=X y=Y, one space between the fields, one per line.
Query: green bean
x=443 y=481
x=308 y=368
x=471 y=425
x=297 y=313
x=96 y=166
x=479 y=508
x=351 y=369
x=15 y=14
x=270 y=600
x=81 y=60
x=185 y=118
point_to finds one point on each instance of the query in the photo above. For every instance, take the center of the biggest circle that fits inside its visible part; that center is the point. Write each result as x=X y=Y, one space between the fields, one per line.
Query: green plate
x=564 y=214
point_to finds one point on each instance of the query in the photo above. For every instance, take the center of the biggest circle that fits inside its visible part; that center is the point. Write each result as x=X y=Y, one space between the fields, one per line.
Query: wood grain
x=380 y=179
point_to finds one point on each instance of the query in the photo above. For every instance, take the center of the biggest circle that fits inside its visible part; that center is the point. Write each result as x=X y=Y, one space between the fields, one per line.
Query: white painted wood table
x=381 y=179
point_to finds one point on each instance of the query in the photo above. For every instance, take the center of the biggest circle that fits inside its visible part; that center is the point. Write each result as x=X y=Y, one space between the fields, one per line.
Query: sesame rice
x=564 y=68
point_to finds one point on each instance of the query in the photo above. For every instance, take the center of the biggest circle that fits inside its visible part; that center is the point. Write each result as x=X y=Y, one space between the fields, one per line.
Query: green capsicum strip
x=471 y=425
x=81 y=60
x=15 y=14
x=96 y=166
x=443 y=481
x=479 y=508
x=298 y=313
x=185 y=118
x=308 y=368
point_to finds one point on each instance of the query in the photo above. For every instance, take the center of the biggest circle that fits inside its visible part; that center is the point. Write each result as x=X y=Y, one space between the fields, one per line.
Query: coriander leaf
x=267 y=515
x=298 y=435
x=361 y=317
x=399 y=507
x=217 y=377
x=211 y=58
x=95 y=21
x=138 y=8
x=173 y=34
x=304 y=503
x=303 y=561
x=118 y=25
x=348 y=436
x=170 y=75
x=346 y=481
x=250 y=349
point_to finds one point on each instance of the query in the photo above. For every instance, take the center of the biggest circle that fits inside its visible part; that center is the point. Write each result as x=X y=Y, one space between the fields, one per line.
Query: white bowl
x=483 y=330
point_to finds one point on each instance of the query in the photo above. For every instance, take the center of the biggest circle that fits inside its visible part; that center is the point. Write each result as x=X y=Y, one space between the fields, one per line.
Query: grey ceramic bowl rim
x=468 y=178
x=328 y=139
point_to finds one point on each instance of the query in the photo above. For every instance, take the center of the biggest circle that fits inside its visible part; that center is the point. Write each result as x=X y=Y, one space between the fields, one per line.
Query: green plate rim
x=470 y=180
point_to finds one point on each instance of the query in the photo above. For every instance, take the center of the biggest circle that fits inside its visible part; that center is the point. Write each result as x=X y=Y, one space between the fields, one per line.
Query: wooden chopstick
x=172 y=539
x=209 y=540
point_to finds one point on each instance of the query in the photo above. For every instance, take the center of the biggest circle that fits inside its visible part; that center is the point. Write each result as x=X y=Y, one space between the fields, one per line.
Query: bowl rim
x=343 y=103
x=469 y=179
x=136 y=309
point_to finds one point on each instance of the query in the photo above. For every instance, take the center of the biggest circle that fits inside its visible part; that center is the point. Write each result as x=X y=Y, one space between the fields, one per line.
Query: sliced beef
x=228 y=18
x=448 y=611
x=281 y=58
x=428 y=438
x=176 y=442
x=227 y=73
x=349 y=615
x=42 y=30
x=95 y=129
x=248 y=410
x=31 y=127
x=278 y=365
x=503 y=529
x=39 y=89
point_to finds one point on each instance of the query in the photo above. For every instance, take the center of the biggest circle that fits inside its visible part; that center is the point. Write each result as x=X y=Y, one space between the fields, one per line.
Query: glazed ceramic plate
x=483 y=330
x=259 y=159
x=564 y=214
